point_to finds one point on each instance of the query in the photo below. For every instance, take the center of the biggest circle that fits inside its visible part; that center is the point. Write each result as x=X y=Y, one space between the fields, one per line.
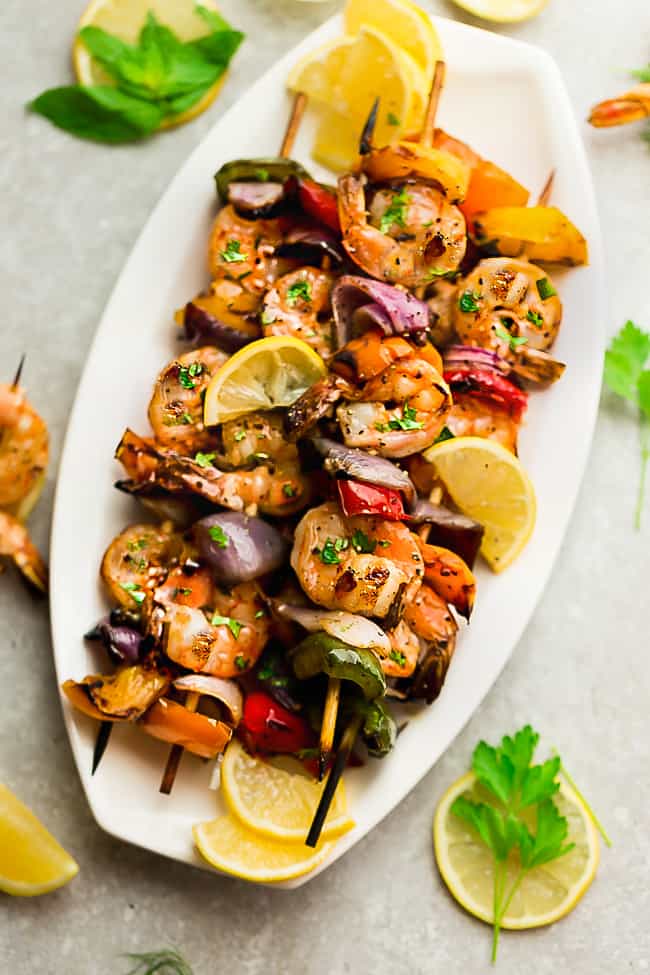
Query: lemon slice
x=503 y=11
x=406 y=24
x=125 y=19
x=346 y=75
x=230 y=846
x=489 y=484
x=278 y=802
x=31 y=860
x=270 y=372
x=546 y=894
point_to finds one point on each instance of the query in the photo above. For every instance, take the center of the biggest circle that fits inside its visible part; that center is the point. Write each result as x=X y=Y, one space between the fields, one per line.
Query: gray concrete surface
x=71 y=212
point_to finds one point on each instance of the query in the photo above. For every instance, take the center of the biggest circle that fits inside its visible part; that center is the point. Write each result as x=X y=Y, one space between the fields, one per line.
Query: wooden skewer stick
x=297 y=112
x=328 y=726
x=176 y=751
x=547 y=189
x=101 y=741
x=428 y=129
x=341 y=760
x=19 y=370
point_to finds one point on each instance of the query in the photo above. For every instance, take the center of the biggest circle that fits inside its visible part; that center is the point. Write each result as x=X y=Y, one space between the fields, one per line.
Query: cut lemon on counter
x=271 y=372
x=229 y=846
x=278 y=802
x=406 y=24
x=503 y=11
x=546 y=893
x=31 y=860
x=347 y=74
x=489 y=484
x=125 y=19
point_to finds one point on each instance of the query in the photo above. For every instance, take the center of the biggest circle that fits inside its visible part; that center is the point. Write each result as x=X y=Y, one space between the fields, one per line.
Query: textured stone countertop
x=71 y=213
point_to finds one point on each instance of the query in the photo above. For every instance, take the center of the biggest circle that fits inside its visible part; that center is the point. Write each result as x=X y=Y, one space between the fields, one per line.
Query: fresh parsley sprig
x=627 y=376
x=515 y=785
x=168 y=961
x=156 y=79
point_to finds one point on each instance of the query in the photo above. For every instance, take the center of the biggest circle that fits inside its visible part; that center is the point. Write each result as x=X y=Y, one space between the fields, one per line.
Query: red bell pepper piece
x=368 y=499
x=269 y=727
x=488 y=385
x=319 y=203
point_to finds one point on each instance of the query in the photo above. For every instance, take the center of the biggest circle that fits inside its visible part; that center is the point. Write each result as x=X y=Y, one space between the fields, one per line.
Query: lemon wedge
x=489 y=484
x=265 y=374
x=546 y=893
x=503 y=11
x=406 y=24
x=230 y=846
x=279 y=802
x=125 y=19
x=31 y=860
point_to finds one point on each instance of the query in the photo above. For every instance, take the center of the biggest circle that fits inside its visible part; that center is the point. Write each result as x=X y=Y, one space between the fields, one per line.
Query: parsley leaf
x=468 y=301
x=545 y=289
x=329 y=554
x=445 y=434
x=298 y=291
x=626 y=376
x=234 y=626
x=218 y=535
x=398 y=657
x=233 y=253
x=535 y=318
x=513 y=341
x=362 y=544
x=392 y=119
x=395 y=213
x=134 y=590
x=204 y=460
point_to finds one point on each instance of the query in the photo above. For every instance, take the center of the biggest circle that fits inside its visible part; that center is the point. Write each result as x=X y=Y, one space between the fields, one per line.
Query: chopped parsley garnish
x=545 y=289
x=181 y=592
x=204 y=460
x=218 y=535
x=445 y=434
x=262 y=175
x=239 y=436
x=536 y=319
x=185 y=418
x=392 y=119
x=288 y=490
x=362 y=544
x=513 y=341
x=138 y=544
x=241 y=663
x=395 y=213
x=233 y=254
x=407 y=421
x=187 y=375
x=398 y=658
x=468 y=301
x=299 y=291
x=135 y=591
x=384 y=543
x=234 y=626
x=329 y=554
x=260 y=614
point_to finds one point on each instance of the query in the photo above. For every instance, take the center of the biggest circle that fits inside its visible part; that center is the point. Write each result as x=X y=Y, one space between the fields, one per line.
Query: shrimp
x=137 y=561
x=408 y=234
x=632 y=106
x=471 y=416
x=242 y=250
x=228 y=644
x=362 y=564
x=299 y=304
x=176 y=407
x=24 y=451
x=428 y=616
x=405 y=650
x=399 y=412
x=441 y=298
x=16 y=544
x=450 y=577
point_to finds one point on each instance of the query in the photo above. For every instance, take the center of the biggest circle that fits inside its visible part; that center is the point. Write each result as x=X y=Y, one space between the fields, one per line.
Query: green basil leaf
x=218 y=48
x=98 y=112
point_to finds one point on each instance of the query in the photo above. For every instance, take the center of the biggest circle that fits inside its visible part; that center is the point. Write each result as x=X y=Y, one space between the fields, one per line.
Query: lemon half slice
x=268 y=373
x=546 y=893
x=503 y=11
x=229 y=846
x=405 y=23
x=125 y=19
x=31 y=860
x=278 y=802
x=489 y=484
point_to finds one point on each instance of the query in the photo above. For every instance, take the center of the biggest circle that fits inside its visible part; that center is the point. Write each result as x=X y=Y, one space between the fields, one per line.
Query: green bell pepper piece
x=320 y=653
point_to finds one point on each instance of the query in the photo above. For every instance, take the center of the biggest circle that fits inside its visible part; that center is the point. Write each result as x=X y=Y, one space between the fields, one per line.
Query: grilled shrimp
x=299 y=304
x=176 y=407
x=632 y=106
x=242 y=250
x=362 y=564
x=137 y=561
x=471 y=416
x=406 y=235
x=441 y=299
x=228 y=643
x=427 y=624
x=399 y=412
x=429 y=617
x=16 y=544
x=23 y=451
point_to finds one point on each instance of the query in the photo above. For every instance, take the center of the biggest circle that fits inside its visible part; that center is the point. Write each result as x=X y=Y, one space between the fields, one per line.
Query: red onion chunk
x=364 y=467
x=122 y=643
x=255 y=198
x=395 y=311
x=311 y=245
x=474 y=355
x=201 y=328
x=239 y=548
x=450 y=529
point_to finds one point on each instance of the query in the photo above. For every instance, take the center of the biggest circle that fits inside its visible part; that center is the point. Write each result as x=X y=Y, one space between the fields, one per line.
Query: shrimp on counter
x=632 y=106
